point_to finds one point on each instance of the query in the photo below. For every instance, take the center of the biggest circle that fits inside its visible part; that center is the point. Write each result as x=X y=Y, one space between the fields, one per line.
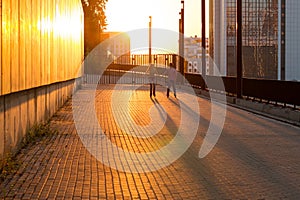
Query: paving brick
x=255 y=157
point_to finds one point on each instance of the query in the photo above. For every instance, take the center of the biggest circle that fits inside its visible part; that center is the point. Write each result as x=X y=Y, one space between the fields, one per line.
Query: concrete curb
x=287 y=115
x=283 y=114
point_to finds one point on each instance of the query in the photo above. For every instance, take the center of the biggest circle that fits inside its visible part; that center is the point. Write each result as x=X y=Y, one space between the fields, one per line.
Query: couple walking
x=172 y=75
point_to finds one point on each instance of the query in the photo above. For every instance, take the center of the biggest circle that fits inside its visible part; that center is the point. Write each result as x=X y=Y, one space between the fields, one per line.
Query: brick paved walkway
x=255 y=158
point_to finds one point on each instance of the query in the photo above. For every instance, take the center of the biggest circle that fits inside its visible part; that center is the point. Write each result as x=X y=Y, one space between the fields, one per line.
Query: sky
x=130 y=15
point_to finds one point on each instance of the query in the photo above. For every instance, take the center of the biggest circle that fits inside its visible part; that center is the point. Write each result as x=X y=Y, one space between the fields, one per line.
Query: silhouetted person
x=172 y=75
x=152 y=72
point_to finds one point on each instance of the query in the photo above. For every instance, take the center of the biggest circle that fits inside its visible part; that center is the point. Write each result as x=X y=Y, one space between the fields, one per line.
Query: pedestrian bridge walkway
x=128 y=154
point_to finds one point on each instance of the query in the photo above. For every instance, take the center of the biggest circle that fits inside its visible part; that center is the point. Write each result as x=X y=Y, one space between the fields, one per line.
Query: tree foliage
x=94 y=10
x=94 y=22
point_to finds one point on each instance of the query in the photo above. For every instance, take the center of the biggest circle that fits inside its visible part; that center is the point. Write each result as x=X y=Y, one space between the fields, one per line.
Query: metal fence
x=111 y=76
x=143 y=59
x=269 y=91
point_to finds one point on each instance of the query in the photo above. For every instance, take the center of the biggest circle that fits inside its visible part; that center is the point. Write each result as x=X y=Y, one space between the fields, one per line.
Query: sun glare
x=62 y=25
x=131 y=15
x=134 y=14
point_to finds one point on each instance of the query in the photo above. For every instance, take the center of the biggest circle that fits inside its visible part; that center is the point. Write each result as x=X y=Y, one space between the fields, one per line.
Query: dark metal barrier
x=213 y=83
x=227 y=83
x=195 y=80
x=286 y=92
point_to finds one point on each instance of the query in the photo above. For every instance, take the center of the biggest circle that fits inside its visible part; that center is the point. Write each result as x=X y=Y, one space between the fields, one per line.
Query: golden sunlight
x=134 y=14
x=62 y=25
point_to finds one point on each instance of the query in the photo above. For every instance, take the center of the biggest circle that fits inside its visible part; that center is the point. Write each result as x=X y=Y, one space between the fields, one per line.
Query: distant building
x=290 y=68
x=270 y=38
x=193 y=54
x=118 y=46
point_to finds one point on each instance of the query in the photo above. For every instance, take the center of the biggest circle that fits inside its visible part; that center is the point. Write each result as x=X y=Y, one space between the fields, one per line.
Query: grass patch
x=10 y=166
x=37 y=132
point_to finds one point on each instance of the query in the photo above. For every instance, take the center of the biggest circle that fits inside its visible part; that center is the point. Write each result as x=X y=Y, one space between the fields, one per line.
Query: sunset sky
x=129 y=15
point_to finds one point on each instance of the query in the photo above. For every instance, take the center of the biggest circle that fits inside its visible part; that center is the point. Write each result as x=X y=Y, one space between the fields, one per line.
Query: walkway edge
x=287 y=115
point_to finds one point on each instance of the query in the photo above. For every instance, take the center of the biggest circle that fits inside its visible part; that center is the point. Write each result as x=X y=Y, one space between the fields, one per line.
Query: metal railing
x=143 y=59
x=269 y=91
x=286 y=93
x=123 y=76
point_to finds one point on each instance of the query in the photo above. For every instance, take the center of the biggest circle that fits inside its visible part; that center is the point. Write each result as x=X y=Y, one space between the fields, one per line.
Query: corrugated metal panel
x=6 y=20
x=42 y=43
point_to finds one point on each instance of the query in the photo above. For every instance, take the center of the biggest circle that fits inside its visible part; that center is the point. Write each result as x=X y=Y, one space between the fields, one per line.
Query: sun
x=134 y=14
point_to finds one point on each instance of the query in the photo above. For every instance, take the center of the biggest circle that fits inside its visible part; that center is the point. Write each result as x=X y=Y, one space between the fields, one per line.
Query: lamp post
x=150 y=39
x=203 y=42
x=181 y=39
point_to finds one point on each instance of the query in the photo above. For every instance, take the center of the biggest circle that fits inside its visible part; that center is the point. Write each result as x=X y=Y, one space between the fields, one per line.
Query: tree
x=94 y=22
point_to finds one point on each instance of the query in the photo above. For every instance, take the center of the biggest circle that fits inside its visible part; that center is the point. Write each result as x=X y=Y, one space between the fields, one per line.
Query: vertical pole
x=239 y=54
x=203 y=43
x=182 y=40
x=150 y=39
x=211 y=36
x=181 y=47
